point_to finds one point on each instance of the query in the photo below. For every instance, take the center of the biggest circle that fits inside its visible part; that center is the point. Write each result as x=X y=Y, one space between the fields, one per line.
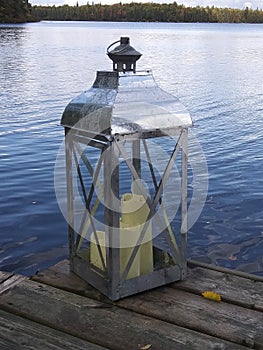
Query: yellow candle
x=134 y=214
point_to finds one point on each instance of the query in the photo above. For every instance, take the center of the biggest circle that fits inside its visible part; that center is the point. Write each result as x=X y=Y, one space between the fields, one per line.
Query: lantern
x=121 y=237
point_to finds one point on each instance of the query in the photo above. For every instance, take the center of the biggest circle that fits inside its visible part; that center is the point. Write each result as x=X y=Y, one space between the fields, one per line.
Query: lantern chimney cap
x=124 y=56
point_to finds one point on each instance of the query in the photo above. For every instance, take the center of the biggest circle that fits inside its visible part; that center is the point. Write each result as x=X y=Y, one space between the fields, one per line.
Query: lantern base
x=98 y=279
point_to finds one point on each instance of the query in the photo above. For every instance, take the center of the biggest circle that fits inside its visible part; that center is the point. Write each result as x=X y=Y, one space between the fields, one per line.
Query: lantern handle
x=115 y=42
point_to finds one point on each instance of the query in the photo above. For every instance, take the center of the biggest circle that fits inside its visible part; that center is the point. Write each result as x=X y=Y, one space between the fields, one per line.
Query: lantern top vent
x=124 y=56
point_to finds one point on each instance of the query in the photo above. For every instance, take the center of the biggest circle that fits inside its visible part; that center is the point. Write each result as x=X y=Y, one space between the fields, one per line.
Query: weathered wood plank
x=4 y=276
x=101 y=323
x=233 y=289
x=196 y=263
x=59 y=276
x=6 y=345
x=20 y=333
x=244 y=326
x=192 y=311
x=10 y=282
x=226 y=321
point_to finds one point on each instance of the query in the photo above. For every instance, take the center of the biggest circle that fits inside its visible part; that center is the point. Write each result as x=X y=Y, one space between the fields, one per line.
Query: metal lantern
x=126 y=141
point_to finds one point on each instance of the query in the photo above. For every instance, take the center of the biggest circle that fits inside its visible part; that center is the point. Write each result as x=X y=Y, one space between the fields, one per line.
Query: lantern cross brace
x=85 y=228
x=169 y=236
x=160 y=200
x=88 y=200
x=152 y=205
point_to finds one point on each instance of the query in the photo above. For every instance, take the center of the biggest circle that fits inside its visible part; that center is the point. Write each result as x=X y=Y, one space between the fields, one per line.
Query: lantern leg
x=184 y=197
x=70 y=219
x=112 y=218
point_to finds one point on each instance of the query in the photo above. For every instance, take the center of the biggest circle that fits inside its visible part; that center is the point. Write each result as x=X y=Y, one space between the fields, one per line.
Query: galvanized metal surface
x=125 y=103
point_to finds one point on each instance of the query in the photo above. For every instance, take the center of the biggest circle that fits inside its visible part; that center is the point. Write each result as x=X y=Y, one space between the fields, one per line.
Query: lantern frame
x=112 y=119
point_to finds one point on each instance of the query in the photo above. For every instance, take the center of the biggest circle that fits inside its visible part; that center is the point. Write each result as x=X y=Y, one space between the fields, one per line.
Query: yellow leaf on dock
x=146 y=347
x=211 y=295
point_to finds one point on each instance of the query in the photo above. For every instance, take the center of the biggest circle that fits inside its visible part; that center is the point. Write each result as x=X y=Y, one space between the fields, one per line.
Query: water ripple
x=216 y=71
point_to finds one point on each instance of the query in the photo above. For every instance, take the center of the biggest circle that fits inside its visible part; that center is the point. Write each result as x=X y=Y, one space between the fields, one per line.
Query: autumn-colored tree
x=146 y=12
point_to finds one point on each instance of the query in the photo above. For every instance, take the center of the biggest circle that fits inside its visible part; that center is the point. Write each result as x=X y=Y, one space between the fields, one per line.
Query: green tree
x=14 y=11
x=147 y=12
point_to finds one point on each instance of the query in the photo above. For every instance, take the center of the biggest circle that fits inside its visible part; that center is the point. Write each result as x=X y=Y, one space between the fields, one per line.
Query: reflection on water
x=215 y=69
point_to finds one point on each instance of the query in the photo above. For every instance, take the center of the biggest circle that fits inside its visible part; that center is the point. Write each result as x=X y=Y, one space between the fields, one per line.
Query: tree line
x=22 y=11
x=146 y=12
x=15 y=11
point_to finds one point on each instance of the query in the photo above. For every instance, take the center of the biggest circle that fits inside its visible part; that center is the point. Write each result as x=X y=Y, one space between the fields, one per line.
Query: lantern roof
x=125 y=103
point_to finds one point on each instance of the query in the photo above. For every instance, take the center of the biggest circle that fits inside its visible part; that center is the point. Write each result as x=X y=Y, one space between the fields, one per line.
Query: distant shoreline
x=147 y=12
x=15 y=12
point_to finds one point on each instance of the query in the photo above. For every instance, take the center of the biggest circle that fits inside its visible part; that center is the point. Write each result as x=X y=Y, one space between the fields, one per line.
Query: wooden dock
x=57 y=310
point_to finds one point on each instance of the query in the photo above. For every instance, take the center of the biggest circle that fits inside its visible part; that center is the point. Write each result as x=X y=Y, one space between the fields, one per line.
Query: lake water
x=217 y=72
